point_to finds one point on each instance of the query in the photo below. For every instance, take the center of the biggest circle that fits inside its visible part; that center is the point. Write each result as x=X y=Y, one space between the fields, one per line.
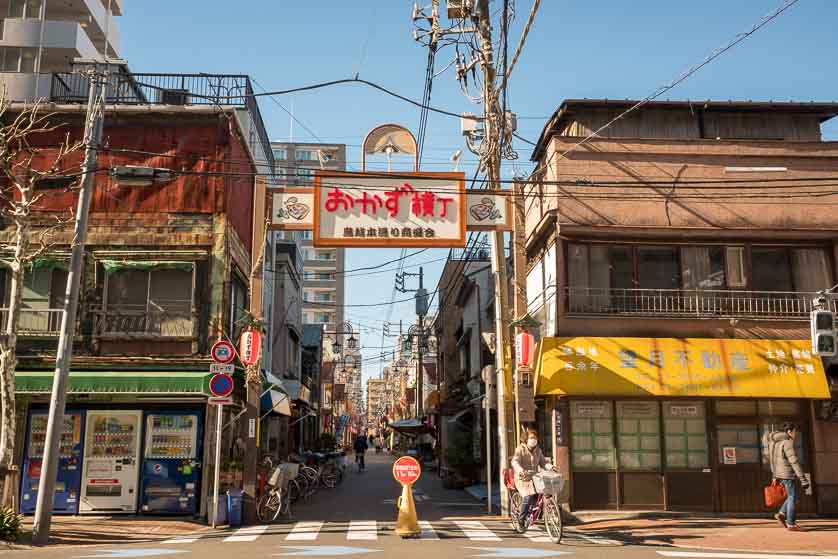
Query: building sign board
x=292 y=208
x=381 y=210
x=488 y=210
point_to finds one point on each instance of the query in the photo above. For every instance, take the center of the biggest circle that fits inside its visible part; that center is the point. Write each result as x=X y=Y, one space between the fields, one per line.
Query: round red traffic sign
x=407 y=470
x=223 y=352
x=221 y=385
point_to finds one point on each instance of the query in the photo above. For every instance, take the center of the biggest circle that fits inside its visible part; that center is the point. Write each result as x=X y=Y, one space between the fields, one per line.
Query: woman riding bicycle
x=526 y=462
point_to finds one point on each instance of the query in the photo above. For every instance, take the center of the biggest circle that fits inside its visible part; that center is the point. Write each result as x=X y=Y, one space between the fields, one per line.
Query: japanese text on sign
x=416 y=209
x=406 y=470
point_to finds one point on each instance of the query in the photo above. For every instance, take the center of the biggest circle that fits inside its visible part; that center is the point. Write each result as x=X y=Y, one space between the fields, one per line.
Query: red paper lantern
x=250 y=347
x=524 y=349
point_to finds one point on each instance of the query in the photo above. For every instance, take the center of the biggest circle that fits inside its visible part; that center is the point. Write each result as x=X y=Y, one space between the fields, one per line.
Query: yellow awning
x=679 y=367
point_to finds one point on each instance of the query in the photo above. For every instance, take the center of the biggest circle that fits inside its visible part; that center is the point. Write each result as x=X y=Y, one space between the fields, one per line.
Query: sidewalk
x=97 y=530
x=714 y=532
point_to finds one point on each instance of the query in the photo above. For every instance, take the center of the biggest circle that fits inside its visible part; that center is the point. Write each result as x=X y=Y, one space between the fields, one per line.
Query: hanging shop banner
x=292 y=209
x=250 y=346
x=377 y=210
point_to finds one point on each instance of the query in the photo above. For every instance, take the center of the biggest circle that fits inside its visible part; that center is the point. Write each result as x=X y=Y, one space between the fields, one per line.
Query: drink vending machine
x=68 y=480
x=111 y=456
x=171 y=462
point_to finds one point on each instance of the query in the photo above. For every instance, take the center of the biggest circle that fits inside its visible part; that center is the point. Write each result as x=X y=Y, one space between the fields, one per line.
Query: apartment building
x=672 y=261
x=376 y=401
x=323 y=283
x=39 y=39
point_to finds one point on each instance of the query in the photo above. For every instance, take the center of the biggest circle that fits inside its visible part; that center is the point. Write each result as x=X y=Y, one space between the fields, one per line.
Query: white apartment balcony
x=690 y=303
x=26 y=87
x=64 y=39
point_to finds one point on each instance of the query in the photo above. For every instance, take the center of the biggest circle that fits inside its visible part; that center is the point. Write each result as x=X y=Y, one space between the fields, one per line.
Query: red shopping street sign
x=407 y=470
x=223 y=352
x=221 y=385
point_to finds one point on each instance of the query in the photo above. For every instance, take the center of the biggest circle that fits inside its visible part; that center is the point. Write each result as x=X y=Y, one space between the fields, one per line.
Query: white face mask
x=532 y=443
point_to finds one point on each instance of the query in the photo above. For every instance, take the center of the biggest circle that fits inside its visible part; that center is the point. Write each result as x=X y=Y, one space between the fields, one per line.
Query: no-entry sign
x=407 y=470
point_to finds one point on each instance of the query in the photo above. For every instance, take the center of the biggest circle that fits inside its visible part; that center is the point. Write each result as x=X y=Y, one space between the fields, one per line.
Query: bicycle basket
x=549 y=483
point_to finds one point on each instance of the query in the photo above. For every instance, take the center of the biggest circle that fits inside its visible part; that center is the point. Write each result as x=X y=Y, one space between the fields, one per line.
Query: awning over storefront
x=274 y=401
x=679 y=367
x=116 y=382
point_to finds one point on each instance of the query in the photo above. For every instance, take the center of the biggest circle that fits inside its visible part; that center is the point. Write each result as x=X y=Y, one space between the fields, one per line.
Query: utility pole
x=94 y=122
x=421 y=310
x=491 y=114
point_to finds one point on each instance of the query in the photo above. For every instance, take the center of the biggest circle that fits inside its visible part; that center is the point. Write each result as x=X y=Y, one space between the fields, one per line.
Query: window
x=305 y=155
x=685 y=428
x=770 y=269
x=735 y=267
x=322 y=318
x=42 y=298
x=305 y=175
x=703 y=267
x=154 y=301
x=25 y=8
x=738 y=444
x=238 y=306
x=592 y=435
x=639 y=435
x=324 y=256
x=658 y=268
x=17 y=59
x=280 y=153
x=810 y=270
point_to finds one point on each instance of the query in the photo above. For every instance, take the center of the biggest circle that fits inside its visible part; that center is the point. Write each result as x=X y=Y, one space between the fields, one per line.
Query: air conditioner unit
x=173 y=96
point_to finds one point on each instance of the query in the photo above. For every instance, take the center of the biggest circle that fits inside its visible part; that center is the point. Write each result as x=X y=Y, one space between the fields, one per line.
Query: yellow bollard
x=406 y=470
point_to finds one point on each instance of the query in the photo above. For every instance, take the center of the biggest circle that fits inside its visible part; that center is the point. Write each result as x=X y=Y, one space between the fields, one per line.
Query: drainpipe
x=40 y=49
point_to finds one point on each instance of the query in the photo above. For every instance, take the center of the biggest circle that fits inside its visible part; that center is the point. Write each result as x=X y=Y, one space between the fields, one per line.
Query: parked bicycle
x=277 y=498
x=548 y=486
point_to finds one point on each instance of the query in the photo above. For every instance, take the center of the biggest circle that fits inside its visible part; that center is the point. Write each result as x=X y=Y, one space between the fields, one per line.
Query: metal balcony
x=35 y=322
x=140 y=321
x=689 y=303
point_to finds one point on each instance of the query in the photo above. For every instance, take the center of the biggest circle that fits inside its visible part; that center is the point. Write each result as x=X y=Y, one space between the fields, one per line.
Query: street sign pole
x=218 y=426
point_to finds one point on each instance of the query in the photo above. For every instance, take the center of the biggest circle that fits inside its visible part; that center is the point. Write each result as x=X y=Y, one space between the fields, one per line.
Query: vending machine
x=111 y=458
x=68 y=479
x=171 y=462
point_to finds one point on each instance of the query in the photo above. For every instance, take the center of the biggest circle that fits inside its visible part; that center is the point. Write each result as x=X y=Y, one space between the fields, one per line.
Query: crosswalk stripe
x=708 y=555
x=188 y=538
x=537 y=534
x=476 y=531
x=362 y=530
x=247 y=534
x=428 y=532
x=306 y=531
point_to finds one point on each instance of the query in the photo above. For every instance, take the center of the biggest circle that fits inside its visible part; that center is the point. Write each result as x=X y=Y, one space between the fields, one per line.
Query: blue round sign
x=221 y=385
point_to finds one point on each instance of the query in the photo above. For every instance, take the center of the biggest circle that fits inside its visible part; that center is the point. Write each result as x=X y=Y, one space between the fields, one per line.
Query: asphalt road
x=357 y=519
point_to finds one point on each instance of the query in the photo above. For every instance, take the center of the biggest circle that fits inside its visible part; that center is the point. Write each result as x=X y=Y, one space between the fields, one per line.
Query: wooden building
x=673 y=257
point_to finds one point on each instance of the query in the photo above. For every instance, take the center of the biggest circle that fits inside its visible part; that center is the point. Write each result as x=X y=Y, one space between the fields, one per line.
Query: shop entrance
x=742 y=428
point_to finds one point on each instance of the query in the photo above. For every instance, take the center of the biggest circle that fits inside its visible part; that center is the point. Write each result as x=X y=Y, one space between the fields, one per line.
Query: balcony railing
x=126 y=88
x=690 y=303
x=131 y=321
x=35 y=322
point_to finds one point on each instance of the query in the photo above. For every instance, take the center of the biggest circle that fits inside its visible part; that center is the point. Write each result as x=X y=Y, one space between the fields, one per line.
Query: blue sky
x=614 y=49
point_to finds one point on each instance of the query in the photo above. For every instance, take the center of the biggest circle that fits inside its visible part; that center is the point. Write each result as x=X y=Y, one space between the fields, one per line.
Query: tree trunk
x=8 y=362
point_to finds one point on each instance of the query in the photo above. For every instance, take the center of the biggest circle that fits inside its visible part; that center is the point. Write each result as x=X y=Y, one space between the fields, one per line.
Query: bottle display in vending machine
x=111 y=458
x=68 y=476
x=171 y=469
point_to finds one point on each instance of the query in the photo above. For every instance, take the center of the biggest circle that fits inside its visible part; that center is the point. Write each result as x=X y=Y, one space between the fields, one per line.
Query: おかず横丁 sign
x=377 y=210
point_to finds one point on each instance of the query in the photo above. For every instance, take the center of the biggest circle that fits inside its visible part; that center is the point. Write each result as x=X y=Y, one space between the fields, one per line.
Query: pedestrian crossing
x=372 y=530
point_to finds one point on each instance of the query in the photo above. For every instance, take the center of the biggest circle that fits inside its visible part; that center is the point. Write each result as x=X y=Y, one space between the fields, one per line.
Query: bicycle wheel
x=329 y=477
x=284 y=504
x=267 y=509
x=515 y=502
x=294 y=491
x=553 y=520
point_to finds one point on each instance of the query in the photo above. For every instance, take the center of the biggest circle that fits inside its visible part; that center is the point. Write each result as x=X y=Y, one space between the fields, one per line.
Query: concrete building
x=672 y=260
x=376 y=397
x=39 y=39
x=323 y=283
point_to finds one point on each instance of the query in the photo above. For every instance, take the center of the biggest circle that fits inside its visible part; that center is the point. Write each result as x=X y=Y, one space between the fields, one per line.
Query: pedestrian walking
x=526 y=462
x=360 y=448
x=785 y=468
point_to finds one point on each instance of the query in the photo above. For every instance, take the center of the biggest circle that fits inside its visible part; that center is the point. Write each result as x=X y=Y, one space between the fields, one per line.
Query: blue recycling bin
x=234 y=507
